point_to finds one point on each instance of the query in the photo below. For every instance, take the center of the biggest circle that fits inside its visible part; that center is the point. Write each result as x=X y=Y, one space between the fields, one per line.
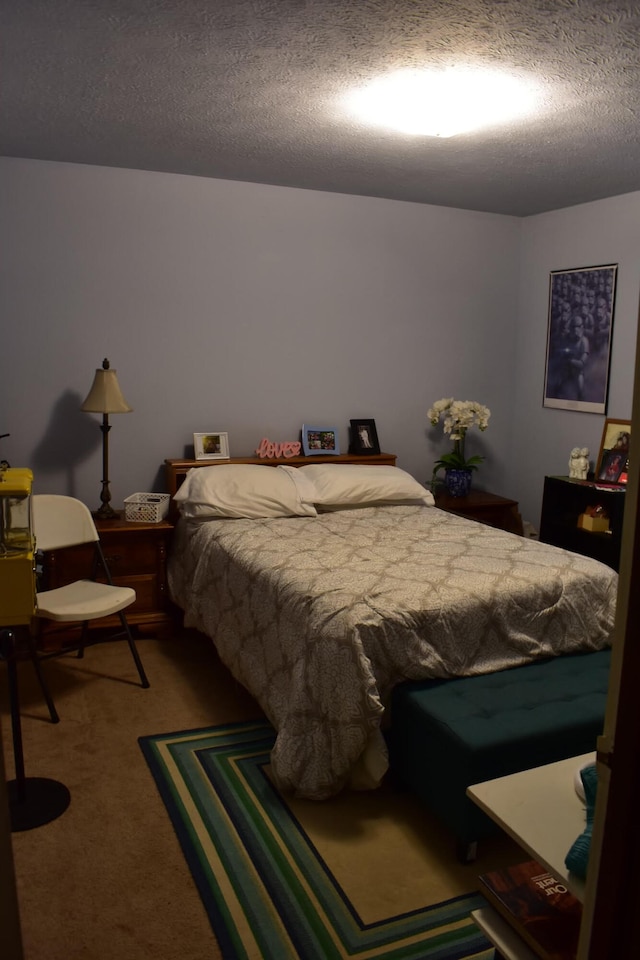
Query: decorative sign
x=266 y=448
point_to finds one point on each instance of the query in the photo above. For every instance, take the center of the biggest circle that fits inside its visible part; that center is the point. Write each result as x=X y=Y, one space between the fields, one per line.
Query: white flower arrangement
x=459 y=416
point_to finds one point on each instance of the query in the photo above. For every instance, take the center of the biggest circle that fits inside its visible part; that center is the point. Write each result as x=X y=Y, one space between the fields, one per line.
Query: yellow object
x=17 y=548
x=595 y=524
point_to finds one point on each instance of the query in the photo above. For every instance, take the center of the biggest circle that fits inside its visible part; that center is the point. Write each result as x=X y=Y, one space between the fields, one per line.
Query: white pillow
x=347 y=484
x=240 y=490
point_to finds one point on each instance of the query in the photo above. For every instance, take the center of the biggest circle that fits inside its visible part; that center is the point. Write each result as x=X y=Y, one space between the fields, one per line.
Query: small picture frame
x=613 y=459
x=364 y=437
x=213 y=445
x=319 y=441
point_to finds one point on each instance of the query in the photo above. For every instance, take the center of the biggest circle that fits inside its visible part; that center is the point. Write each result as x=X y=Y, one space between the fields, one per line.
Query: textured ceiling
x=250 y=90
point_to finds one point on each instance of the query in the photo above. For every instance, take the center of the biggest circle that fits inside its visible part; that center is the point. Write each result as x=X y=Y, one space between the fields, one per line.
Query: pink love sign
x=267 y=448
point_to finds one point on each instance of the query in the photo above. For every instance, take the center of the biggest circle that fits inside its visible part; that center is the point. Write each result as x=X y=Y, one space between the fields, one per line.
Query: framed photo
x=613 y=459
x=211 y=446
x=579 y=328
x=319 y=440
x=364 y=437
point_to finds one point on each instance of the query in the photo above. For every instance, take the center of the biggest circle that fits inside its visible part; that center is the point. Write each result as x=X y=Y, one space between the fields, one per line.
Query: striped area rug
x=268 y=889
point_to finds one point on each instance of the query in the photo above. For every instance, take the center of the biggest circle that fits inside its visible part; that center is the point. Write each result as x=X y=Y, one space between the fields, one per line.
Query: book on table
x=539 y=907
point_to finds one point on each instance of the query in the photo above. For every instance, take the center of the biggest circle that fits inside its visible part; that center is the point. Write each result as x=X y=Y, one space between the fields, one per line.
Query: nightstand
x=137 y=555
x=485 y=507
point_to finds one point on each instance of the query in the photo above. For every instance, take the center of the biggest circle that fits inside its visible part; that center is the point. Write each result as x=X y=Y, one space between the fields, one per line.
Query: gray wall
x=245 y=308
x=607 y=231
x=253 y=309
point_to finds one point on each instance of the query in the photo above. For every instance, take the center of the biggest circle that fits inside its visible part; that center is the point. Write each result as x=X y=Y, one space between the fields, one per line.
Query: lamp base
x=106 y=512
x=35 y=801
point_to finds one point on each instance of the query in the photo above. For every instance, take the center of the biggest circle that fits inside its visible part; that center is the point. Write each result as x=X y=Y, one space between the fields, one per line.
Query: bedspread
x=319 y=618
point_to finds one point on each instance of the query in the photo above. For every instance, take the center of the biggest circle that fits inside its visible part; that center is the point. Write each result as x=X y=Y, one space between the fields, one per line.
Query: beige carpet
x=107 y=879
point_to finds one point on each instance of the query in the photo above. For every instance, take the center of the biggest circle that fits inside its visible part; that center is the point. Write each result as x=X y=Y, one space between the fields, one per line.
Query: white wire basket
x=146 y=507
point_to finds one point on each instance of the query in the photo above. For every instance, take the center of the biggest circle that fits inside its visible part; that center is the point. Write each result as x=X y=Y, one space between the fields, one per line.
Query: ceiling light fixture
x=442 y=103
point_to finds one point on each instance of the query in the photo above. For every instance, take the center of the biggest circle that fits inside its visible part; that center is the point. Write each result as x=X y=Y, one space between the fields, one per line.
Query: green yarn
x=577 y=859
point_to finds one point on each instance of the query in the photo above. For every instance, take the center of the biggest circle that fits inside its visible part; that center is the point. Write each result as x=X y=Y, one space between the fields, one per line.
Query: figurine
x=573 y=463
x=579 y=463
x=583 y=463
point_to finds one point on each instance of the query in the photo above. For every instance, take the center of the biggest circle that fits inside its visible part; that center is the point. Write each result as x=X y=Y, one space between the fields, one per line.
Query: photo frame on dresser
x=612 y=465
x=213 y=445
x=320 y=441
x=364 y=437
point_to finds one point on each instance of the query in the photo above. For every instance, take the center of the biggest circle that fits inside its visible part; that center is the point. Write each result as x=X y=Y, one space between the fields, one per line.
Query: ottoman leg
x=466 y=850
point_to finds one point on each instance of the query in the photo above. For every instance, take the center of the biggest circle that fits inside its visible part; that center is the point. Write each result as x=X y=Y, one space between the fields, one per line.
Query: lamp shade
x=105 y=395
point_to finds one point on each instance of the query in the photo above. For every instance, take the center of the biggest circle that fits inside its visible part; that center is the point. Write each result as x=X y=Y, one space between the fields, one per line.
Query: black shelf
x=565 y=499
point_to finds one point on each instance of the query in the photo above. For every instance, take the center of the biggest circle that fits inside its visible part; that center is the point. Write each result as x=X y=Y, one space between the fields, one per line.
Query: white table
x=501 y=935
x=541 y=810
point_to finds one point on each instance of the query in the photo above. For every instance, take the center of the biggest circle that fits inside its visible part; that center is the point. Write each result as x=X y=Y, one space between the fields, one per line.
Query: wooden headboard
x=176 y=470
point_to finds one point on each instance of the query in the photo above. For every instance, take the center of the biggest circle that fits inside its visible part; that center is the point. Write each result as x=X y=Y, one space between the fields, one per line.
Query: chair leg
x=83 y=639
x=35 y=659
x=134 y=651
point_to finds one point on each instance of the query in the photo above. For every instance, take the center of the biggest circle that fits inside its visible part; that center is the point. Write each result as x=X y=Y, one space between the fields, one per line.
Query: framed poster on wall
x=579 y=328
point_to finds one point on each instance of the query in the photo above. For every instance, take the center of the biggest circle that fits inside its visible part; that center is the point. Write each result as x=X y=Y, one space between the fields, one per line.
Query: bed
x=320 y=613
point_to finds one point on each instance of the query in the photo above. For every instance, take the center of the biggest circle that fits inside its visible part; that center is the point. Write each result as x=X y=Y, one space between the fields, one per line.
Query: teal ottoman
x=447 y=734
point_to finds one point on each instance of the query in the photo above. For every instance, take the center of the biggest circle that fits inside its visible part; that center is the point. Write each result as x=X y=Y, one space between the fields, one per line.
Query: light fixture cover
x=443 y=103
x=105 y=395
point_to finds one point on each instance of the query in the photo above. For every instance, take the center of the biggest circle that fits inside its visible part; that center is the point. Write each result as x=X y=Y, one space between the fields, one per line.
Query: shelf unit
x=541 y=811
x=565 y=499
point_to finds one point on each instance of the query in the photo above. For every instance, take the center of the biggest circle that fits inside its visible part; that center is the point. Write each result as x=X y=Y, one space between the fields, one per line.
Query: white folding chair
x=59 y=522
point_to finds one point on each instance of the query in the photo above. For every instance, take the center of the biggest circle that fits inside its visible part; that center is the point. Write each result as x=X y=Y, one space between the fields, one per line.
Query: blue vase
x=457 y=482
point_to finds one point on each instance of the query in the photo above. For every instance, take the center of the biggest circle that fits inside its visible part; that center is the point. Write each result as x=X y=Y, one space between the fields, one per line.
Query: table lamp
x=105 y=397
